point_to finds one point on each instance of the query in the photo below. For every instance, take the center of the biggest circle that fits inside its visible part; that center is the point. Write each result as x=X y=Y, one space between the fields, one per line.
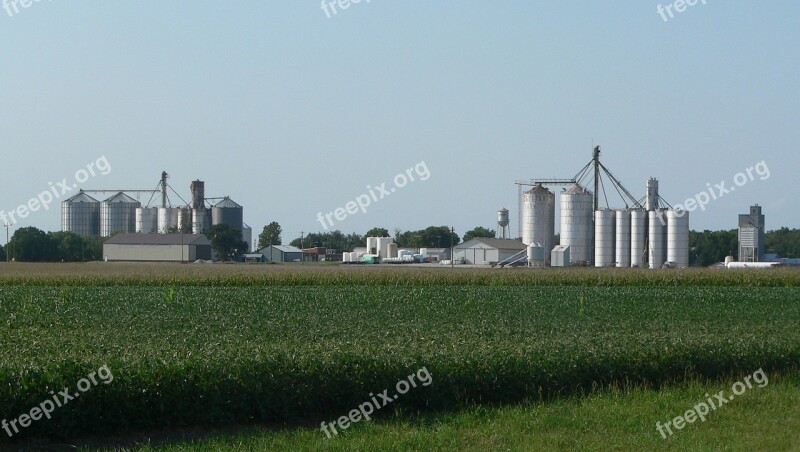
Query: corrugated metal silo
x=167 y=219
x=576 y=223
x=638 y=237
x=118 y=214
x=678 y=238
x=656 y=239
x=147 y=220
x=539 y=217
x=623 y=238
x=604 y=237
x=228 y=212
x=80 y=215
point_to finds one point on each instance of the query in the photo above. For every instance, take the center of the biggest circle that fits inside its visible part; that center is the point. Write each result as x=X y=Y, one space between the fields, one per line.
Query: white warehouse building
x=486 y=251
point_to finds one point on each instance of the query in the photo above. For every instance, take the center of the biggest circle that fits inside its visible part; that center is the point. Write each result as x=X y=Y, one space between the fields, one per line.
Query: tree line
x=30 y=244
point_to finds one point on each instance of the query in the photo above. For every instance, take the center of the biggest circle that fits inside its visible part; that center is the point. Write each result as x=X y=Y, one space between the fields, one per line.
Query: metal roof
x=501 y=244
x=121 y=197
x=81 y=197
x=158 y=239
x=281 y=248
x=227 y=203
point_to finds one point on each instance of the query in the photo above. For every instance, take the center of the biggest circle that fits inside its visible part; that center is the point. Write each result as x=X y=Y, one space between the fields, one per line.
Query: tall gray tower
x=751 y=235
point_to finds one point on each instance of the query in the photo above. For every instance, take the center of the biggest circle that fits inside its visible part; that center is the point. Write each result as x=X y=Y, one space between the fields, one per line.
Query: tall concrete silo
x=168 y=219
x=539 y=218
x=577 y=207
x=147 y=220
x=638 y=237
x=656 y=238
x=678 y=237
x=604 y=236
x=623 y=238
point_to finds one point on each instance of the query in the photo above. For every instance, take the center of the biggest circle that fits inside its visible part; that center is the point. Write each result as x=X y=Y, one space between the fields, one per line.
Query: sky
x=295 y=112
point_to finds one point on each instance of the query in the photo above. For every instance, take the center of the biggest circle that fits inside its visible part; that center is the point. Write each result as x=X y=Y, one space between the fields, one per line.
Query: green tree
x=67 y=246
x=2 y=254
x=479 y=232
x=784 y=242
x=378 y=232
x=335 y=240
x=271 y=235
x=432 y=236
x=30 y=245
x=226 y=242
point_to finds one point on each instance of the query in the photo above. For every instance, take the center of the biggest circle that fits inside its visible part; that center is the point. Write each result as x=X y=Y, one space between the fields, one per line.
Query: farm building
x=485 y=251
x=157 y=247
x=281 y=253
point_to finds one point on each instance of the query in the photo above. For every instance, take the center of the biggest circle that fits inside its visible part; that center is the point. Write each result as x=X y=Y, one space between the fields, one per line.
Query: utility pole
x=8 y=226
x=302 y=253
x=452 y=231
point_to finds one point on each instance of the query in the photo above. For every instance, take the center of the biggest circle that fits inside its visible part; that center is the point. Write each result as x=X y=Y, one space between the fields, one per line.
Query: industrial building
x=281 y=253
x=751 y=236
x=121 y=213
x=487 y=251
x=646 y=232
x=157 y=247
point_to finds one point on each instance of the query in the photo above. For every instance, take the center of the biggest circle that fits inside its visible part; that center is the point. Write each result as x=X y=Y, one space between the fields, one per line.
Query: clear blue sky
x=291 y=113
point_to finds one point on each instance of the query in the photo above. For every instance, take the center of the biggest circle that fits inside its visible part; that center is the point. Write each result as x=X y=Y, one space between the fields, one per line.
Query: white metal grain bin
x=576 y=223
x=391 y=250
x=536 y=255
x=201 y=220
x=656 y=238
x=167 y=219
x=623 y=238
x=147 y=220
x=638 y=237
x=604 y=237
x=538 y=217
x=678 y=237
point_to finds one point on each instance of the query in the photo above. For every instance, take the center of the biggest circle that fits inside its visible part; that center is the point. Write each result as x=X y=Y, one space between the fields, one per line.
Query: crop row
x=276 y=275
x=210 y=355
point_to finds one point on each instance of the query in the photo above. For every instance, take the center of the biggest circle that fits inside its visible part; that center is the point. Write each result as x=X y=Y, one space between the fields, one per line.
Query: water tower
x=502 y=223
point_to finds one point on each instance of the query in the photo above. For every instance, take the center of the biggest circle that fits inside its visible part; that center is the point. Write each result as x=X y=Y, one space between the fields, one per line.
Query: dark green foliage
x=191 y=355
x=226 y=242
x=335 y=240
x=479 y=232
